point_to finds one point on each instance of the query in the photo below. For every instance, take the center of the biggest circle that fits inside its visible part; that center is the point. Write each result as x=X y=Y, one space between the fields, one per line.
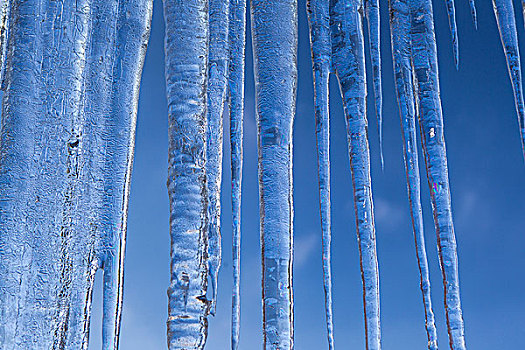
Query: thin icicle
x=451 y=11
x=186 y=47
x=473 y=12
x=5 y=10
x=403 y=73
x=274 y=31
x=237 y=42
x=504 y=11
x=349 y=64
x=374 y=33
x=319 y=22
x=425 y=65
x=217 y=80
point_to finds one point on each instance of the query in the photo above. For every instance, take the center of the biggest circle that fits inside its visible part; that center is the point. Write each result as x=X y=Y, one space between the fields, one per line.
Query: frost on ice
x=72 y=73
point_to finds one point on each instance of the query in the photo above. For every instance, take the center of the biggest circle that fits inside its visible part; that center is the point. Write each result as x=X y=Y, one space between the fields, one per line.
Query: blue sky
x=486 y=175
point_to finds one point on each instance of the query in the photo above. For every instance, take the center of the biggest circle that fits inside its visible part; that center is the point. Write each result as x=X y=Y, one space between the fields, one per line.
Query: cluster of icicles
x=71 y=73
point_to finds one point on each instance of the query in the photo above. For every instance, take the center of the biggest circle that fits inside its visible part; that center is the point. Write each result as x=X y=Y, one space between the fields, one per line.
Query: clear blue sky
x=486 y=176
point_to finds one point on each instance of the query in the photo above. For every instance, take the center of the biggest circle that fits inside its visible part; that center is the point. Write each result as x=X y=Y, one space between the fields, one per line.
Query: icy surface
x=237 y=48
x=186 y=46
x=319 y=21
x=217 y=79
x=54 y=117
x=425 y=66
x=403 y=73
x=274 y=31
x=504 y=11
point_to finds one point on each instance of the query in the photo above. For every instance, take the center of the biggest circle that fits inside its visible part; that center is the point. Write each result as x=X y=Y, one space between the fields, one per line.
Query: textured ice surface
x=274 y=31
x=66 y=149
x=403 y=74
x=186 y=46
x=237 y=48
x=320 y=42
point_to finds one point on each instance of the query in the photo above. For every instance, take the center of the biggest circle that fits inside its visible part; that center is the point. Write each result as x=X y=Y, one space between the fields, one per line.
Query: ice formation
x=66 y=148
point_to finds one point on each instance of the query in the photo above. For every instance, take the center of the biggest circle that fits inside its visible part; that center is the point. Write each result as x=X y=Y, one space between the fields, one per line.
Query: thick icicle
x=217 y=80
x=349 y=64
x=274 y=30
x=4 y=35
x=319 y=22
x=504 y=11
x=186 y=46
x=374 y=33
x=451 y=11
x=400 y=34
x=425 y=66
x=237 y=42
x=62 y=123
x=44 y=287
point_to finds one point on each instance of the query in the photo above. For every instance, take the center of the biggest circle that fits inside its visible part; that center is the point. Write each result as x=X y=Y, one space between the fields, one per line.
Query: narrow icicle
x=374 y=33
x=319 y=23
x=425 y=65
x=346 y=22
x=274 y=31
x=237 y=41
x=400 y=35
x=504 y=11
x=217 y=80
x=473 y=12
x=451 y=11
x=186 y=47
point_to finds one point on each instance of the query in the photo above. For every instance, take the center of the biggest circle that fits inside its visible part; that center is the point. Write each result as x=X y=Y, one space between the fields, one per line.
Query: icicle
x=186 y=46
x=451 y=11
x=473 y=12
x=431 y=123
x=44 y=284
x=349 y=63
x=274 y=30
x=237 y=41
x=118 y=133
x=400 y=35
x=4 y=35
x=217 y=79
x=504 y=11
x=373 y=19
x=57 y=123
x=319 y=22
